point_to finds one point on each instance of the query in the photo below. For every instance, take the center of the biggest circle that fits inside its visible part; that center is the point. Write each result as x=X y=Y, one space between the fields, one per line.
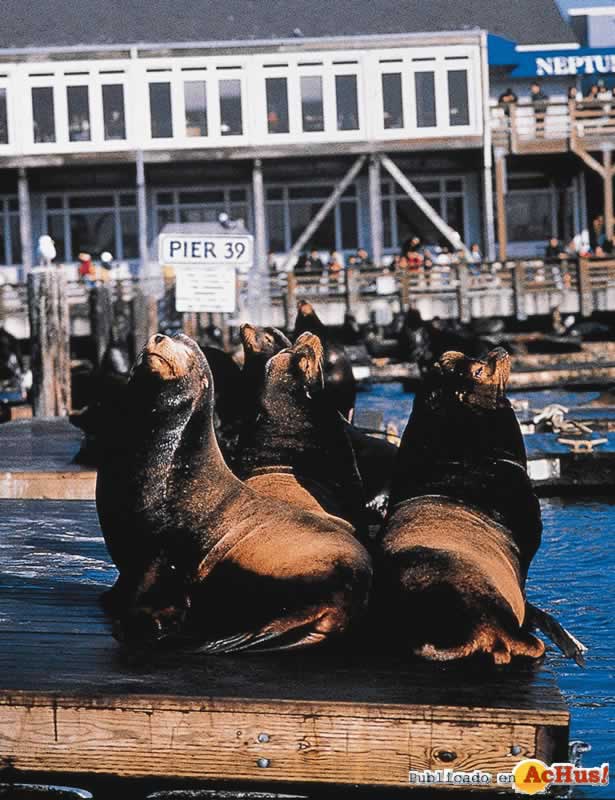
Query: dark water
x=573 y=577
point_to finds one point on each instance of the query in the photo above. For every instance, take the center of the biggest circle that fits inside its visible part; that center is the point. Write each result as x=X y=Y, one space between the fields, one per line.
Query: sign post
x=206 y=268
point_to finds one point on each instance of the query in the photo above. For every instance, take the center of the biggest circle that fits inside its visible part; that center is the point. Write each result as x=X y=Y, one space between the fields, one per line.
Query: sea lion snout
x=168 y=358
x=261 y=341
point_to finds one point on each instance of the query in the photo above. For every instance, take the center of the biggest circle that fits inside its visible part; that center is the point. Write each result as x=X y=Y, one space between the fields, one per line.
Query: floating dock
x=72 y=702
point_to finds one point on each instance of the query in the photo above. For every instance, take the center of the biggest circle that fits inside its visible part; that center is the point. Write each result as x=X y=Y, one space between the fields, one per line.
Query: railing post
x=464 y=303
x=101 y=320
x=586 y=303
x=351 y=281
x=50 y=343
x=518 y=285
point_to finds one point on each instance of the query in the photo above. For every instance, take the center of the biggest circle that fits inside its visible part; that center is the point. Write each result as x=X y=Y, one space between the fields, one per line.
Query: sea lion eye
x=478 y=372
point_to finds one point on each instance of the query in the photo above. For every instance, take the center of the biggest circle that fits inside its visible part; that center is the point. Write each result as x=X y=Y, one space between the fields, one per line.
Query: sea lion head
x=261 y=342
x=472 y=381
x=309 y=321
x=294 y=373
x=174 y=370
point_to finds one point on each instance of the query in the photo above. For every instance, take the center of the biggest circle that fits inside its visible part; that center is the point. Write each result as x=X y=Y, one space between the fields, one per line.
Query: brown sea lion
x=374 y=457
x=464 y=522
x=297 y=447
x=340 y=383
x=200 y=555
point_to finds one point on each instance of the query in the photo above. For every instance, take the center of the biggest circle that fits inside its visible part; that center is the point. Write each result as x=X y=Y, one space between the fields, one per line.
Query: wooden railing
x=549 y=126
x=519 y=288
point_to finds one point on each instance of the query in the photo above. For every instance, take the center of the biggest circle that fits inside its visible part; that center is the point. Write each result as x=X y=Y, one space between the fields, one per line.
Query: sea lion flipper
x=300 y=630
x=570 y=646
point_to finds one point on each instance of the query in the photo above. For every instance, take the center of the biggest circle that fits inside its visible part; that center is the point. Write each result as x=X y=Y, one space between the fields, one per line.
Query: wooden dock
x=71 y=701
x=36 y=461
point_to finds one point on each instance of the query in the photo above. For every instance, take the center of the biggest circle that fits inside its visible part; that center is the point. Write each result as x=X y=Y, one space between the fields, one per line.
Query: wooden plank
x=254 y=741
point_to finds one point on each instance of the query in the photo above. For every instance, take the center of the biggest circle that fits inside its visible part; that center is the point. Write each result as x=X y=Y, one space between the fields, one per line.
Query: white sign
x=206 y=288
x=213 y=248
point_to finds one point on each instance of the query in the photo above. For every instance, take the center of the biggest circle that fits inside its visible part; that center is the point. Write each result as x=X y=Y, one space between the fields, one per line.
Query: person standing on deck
x=539 y=100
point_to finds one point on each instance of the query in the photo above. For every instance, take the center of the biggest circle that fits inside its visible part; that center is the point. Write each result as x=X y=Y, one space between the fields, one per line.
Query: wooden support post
x=463 y=293
x=142 y=214
x=322 y=212
x=500 y=199
x=50 y=343
x=608 y=192
x=351 y=287
x=586 y=302
x=404 y=289
x=375 y=210
x=451 y=235
x=101 y=320
x=190 y=324
x=259 y=300
x=144 y=318
x=290 y=300
x=25 y=220
x=518 y=286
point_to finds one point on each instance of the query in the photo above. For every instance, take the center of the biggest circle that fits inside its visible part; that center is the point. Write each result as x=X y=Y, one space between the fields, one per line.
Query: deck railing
x=513 y=288
x=549 y=126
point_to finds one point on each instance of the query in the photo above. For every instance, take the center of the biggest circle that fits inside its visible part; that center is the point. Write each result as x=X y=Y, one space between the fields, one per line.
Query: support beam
x=25 y=220
x=432 y=215
x=258 y=284
x=142 y=214
x=500 y=198
x=608 y=193
x=101 y=320
x=375 y=210
x=487 y=171
x=329 y=203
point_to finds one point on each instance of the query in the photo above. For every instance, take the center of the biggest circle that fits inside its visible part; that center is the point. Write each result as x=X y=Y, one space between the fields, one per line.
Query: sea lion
x=201 y=556
x=464 y=522
x=340 y=383
x=374 y=457
x=296 y=447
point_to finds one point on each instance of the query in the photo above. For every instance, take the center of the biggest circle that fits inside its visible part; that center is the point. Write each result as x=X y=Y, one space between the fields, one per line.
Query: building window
x=458 y=105
x=424 y=84
x=231 y=123
x=93 y=223
x=114 y=118
x=312 y=113
x=160 y=110
x=347 y=102
x=4 y=122
x=402 y=219
x=78 y=104
x=10 y=237
x=195 y=98
x=290 y=209
x=392 y=100
x=200 y=205
x=277 y=105
x=43 y=114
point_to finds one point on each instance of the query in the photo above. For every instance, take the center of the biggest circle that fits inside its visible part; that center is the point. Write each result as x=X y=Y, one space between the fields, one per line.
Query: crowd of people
x=598 y=92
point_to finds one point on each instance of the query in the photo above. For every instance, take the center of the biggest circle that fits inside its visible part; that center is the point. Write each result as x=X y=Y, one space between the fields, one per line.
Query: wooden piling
x=518 y=285
x=50 y=343
x=586 y=303
x=464 y=304
x=290 y=300
x=101 y=320
x=144 y=319
x=404 y=289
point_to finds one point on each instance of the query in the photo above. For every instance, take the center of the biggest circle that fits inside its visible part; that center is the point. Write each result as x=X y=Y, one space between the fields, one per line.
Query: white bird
x=46 y=248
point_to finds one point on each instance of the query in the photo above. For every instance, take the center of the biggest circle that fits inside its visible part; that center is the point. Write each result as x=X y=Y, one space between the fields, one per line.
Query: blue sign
x=550 y=63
